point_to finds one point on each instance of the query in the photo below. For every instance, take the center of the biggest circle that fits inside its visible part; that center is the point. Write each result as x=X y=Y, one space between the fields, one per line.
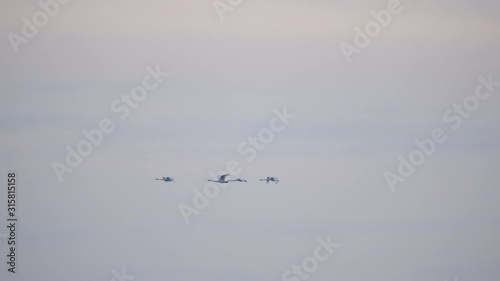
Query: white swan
x=268 y=179
x=221 y=179
x=239 y=179
x=166 y=179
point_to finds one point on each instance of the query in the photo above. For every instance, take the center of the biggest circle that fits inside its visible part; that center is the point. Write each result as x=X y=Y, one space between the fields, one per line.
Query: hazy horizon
x=226 y=79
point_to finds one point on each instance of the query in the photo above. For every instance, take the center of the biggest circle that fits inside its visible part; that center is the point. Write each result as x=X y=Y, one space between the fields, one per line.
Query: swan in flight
x=239 y=179
x=221 y=179
x=268 y=179
x=166 y=179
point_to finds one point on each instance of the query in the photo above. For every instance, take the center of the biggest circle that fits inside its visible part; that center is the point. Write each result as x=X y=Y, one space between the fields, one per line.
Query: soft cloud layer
x=353 y=120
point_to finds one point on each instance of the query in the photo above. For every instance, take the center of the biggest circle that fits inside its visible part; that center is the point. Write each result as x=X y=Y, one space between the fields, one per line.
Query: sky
x=226 y=79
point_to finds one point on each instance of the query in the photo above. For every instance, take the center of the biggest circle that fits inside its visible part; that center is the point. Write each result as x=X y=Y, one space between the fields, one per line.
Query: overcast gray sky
x=226 y=77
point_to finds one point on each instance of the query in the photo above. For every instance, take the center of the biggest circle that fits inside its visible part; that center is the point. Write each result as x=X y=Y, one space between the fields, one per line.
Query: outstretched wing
x=223 y=177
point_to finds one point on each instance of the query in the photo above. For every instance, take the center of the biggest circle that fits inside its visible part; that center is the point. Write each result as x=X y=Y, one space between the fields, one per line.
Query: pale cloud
x=226 y=78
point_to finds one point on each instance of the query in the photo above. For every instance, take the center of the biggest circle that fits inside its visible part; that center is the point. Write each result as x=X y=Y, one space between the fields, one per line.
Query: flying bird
x=221 y=179
x=239 y=179
x=166 y=179
x=268 y=179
